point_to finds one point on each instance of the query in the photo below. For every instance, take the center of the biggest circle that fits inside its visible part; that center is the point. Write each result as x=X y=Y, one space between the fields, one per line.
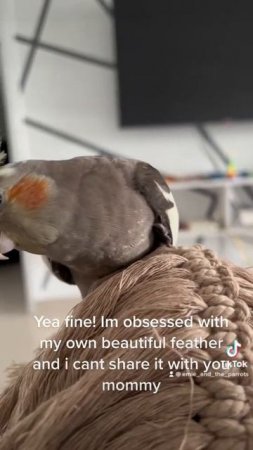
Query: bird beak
x=6 y=245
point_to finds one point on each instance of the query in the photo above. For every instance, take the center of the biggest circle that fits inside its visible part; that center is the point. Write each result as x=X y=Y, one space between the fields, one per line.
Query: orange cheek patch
x=31 y=192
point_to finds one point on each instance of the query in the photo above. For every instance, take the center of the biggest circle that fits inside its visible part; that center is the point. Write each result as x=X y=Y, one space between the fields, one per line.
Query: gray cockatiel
x=90 y=216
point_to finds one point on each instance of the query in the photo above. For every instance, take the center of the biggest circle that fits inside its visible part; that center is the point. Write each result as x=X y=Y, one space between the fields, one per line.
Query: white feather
x=172 y=213
x=7 y=171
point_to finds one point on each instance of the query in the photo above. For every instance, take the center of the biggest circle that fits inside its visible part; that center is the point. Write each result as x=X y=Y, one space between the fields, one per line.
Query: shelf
x=211 y=183
x=230 y=232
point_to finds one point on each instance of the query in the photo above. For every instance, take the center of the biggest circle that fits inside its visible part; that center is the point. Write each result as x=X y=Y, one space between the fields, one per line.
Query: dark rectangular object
x=184 y=61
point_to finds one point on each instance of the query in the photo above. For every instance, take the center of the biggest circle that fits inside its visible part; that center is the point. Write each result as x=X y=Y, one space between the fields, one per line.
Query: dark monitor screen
x=184 y=61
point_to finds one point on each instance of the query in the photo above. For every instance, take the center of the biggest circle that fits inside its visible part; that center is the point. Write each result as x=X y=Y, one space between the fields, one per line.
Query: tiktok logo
x=232 y=350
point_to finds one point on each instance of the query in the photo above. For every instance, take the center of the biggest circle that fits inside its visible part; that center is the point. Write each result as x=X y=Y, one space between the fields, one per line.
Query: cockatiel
x=90 y=216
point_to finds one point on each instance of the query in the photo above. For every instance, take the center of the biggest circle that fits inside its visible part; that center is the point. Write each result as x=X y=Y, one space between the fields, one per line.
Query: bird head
x=26 y=206
x=35 y=208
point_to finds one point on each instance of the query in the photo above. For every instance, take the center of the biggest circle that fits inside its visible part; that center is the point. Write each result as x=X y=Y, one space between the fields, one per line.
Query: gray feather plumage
x=105 y=214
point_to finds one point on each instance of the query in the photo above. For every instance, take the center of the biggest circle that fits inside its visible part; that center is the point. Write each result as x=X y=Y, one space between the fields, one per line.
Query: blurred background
x=166 y=81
